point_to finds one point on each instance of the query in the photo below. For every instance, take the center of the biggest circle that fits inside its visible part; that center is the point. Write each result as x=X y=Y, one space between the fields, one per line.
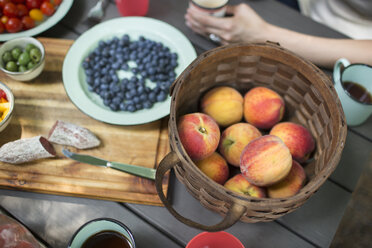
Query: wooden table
x=53 y=219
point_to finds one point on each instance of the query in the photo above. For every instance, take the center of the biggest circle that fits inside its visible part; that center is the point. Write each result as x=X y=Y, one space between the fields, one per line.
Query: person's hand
x=245 y=25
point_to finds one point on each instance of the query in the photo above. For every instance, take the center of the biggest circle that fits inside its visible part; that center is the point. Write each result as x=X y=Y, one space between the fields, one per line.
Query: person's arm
x=246 y=25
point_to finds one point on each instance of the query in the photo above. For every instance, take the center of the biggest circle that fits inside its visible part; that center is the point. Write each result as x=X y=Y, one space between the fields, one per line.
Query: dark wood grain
x=356 y=225
x=40 y=103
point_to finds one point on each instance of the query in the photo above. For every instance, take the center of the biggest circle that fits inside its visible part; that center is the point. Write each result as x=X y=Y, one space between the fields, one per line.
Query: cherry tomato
x=57 y=2
x=3 y=95
x=13 y=25
x=10 y=10
x=28 y=22
x=36 y=14
x=18 y=1
x=22 y=10
x=1 y=28
x=47 y=8
x=4 y=19
x=54 y=2
x=3 y=2
x=33 y=4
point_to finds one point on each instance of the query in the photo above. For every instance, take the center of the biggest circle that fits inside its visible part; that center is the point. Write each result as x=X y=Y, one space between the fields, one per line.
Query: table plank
x=355 y=157
x=56 y=218
x=251 y=235
x=356 y=225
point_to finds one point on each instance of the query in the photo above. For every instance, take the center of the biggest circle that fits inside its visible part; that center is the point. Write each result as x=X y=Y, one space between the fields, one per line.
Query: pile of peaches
x=246 y=134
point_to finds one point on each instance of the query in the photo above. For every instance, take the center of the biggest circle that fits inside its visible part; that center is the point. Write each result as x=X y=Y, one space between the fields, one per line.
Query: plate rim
x=53 y=20
x=189 y=56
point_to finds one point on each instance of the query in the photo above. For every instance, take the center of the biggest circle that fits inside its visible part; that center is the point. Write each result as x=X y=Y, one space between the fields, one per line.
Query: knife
x=132 y=169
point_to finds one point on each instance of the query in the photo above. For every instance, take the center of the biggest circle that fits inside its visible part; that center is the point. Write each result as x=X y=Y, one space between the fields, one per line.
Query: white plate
x=74 y=77
x=48 y=23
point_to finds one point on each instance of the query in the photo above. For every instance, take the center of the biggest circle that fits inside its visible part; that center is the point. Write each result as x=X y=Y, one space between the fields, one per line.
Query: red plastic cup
x=214 y=240
x=132 y=7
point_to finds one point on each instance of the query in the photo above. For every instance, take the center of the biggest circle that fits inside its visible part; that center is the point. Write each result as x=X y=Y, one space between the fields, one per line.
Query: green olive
x=22 y=68
x=29 y=46
x=30 y=65
x=16 y=52
x=35 y=55
x=24 y=58
x=11 y=66
x=7 y=56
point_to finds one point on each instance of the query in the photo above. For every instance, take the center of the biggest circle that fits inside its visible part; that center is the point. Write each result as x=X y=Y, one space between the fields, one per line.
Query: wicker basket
x=310 y=99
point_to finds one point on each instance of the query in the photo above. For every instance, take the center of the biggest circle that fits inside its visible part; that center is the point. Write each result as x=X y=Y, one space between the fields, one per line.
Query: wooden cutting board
x=39 y=103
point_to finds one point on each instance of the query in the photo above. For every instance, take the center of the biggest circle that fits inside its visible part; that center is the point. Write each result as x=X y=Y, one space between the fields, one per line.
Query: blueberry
x=88 y=72
x=131 y=108
x=104 y=87
x=133 y=92
x=124 y=67
x=143 y=97
x=135 y=70
x=107 y=95
x=147 y=104
x=136 y=99
x=133 y=79
x=117 y=100
x=152 y=96
x=161 y=96
x=140 y=89
x=114 y=106
x=123 y=106
x=139 y=106
x=107 y=101
x=89 y=80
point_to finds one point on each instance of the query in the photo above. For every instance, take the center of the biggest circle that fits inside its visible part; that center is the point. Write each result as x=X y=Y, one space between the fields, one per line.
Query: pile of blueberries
x=152 y=61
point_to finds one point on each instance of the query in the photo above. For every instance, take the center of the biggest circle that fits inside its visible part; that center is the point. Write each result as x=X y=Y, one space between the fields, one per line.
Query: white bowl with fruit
x=6 y=106
x=22 y=59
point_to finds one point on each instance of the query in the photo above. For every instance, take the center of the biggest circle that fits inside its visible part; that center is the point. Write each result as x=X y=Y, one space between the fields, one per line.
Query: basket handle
x=232 y=216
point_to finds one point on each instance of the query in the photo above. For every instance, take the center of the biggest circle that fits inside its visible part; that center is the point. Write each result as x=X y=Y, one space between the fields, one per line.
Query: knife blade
x=131 y=169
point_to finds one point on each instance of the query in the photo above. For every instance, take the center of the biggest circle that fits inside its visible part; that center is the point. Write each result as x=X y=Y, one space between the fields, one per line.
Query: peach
x=263 y=107
x=265 y=161
x=224 y=104
x=297 y=138
x=239 y=183
x=234 y=139
x=290 y=185
x=215 y=167
x=199 y=135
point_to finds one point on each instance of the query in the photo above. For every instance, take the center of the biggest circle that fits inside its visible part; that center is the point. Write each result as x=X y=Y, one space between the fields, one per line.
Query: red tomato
x=54 y=2
x=18 y=1
x=3 y=2
x=28 y=22
x=10 y=10
x=1 y=31
x=2 y=93
x=47 y=8
x=22 y=10
x=33 y=4
x=13 y=25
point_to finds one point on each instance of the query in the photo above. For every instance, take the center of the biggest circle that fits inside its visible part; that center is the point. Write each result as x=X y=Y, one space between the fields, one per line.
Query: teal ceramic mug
x=353 y=83
x=102 y=232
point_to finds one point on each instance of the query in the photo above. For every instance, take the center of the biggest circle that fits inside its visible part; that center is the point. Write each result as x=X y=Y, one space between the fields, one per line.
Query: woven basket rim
x=304 y=67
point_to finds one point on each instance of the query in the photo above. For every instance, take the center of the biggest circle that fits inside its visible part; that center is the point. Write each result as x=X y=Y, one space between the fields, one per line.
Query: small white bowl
x=22 y=42
x=4 y=123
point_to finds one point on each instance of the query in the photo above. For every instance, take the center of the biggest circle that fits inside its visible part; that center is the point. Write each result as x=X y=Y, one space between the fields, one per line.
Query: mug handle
x=232 y=216
x=337 y=69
